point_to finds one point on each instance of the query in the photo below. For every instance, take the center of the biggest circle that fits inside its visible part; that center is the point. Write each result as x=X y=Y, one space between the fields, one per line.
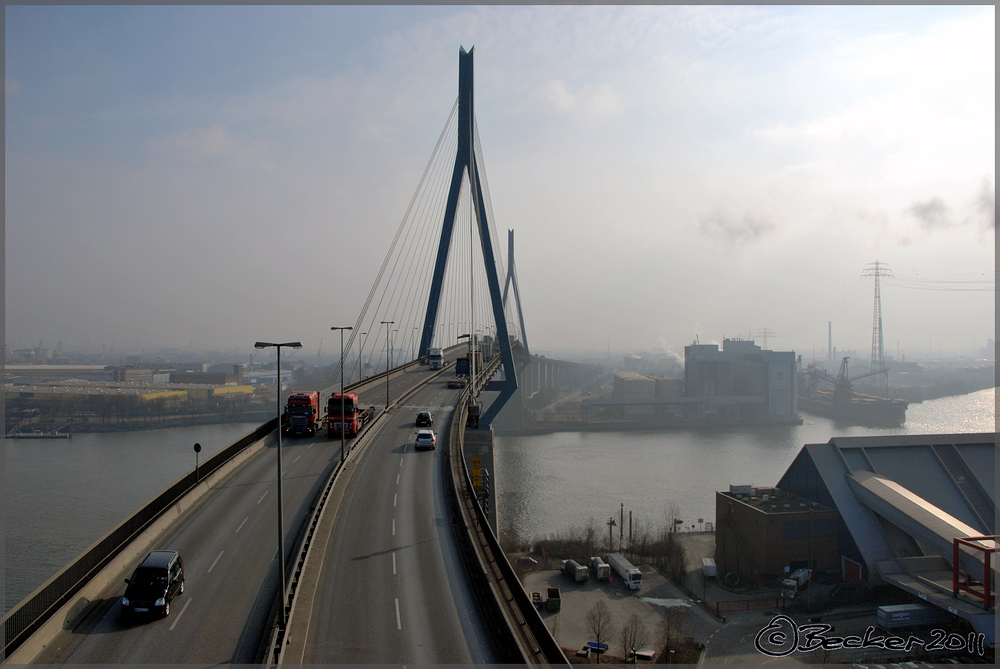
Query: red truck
x=354 y=416
x=302 y=413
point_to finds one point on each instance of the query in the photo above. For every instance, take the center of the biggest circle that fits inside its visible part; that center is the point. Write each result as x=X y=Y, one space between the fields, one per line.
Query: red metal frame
x=986 y=595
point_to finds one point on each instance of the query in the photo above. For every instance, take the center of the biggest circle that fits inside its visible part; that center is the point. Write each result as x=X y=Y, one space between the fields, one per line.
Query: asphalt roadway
x=228 y=543
x=398 y=594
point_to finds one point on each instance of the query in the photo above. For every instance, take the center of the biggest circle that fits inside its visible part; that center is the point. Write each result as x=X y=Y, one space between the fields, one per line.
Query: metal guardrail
x=521 y=617
x=38 y=607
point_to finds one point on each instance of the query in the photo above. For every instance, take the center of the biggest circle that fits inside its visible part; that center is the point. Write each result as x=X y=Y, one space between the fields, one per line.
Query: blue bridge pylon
x=466 y=164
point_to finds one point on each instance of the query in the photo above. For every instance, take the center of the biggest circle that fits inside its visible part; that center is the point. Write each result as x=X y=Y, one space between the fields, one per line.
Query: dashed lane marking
x=178 y=618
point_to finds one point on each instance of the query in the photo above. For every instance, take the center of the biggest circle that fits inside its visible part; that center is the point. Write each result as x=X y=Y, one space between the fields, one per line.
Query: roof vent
x=766 y=498
x=787 y=505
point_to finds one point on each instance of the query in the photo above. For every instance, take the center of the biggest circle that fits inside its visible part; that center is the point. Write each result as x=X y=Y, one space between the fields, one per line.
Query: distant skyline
x=205 y=177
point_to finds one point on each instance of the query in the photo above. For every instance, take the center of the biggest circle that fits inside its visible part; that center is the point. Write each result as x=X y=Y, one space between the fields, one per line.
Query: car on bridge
x=425 y=439
x=154 y=584
x=424 y=419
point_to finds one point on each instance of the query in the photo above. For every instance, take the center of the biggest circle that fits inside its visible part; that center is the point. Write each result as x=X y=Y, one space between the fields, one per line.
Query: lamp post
x=387 y=364
x=343 y=430
x=281 y=528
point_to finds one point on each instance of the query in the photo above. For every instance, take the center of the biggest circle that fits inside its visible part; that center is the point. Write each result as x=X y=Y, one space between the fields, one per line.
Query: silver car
x=425 y=439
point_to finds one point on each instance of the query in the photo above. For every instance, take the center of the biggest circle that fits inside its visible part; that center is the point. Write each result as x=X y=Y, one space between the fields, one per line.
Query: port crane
x=843 y=391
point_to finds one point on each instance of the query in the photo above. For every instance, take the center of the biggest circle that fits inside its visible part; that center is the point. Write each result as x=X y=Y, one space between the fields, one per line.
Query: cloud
x=932 y=214
x=725 y=225
x=211 y=145
x=593 y=101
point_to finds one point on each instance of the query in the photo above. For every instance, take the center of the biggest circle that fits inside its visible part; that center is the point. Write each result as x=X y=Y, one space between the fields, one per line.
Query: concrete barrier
x=73 y=612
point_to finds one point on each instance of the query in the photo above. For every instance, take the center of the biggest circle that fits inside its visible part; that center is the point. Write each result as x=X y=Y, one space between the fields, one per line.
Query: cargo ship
x=863 y=410
x=844 y=405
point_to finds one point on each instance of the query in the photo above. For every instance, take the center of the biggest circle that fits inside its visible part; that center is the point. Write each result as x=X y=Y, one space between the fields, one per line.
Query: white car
x=425 y=439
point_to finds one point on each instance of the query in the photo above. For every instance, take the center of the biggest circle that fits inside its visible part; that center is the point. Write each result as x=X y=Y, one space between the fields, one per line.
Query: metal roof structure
x=903 y=500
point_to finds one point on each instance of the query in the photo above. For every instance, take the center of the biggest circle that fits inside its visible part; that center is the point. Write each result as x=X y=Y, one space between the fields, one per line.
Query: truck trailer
x=302 y=413
x=625 y=569
x=462 y=364
x=354 y=416
x=910 y=615
x=600 y=569
x=708 y=567
x=575 y=571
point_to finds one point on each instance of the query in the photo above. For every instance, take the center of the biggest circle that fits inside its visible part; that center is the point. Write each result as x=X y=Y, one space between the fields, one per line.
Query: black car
x=154 y=584
x=424 y=419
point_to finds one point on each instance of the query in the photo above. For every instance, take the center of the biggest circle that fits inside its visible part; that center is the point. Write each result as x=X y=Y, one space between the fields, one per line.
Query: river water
x=547 y=484
x=60 y=496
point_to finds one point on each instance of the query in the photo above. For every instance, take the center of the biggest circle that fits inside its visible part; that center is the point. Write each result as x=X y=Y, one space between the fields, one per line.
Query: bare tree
x=632 y=636
x=670 y=631
x=671 y=512
x=600 y=625
x=590 y=535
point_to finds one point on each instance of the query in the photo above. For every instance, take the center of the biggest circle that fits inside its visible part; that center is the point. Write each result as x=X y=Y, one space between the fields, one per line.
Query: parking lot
x=569 y=625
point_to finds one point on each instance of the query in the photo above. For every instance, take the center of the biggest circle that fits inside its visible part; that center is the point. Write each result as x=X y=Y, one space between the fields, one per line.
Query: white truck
x=795 y=582
x=434 y=358
x=708 y=567
x=625 y=569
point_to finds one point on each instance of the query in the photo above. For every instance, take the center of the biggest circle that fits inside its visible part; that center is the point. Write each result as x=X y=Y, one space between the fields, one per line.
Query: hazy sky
x=212 y=176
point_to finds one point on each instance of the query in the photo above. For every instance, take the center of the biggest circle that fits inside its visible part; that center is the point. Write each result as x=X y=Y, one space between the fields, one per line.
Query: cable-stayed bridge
x=391 y=554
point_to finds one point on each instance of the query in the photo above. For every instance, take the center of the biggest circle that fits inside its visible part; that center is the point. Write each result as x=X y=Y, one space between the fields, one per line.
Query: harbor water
x=61 y=495
x=549 y=484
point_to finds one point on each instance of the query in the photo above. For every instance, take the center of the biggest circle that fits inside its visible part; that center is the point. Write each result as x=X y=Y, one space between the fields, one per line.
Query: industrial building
x=741 y=384
x=742 y=381
x=892 y=510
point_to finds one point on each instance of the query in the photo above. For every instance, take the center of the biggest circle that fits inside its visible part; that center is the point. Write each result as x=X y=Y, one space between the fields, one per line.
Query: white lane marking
x=296 y=460
x=393 y=527
x=397 y=479
x=242 y=524
x=393 y=563
x=401 y=459
x=263 y=496
x=178 y=618
x=399 y=625
x=394 y=499
x=310 y=445
x=216 y=561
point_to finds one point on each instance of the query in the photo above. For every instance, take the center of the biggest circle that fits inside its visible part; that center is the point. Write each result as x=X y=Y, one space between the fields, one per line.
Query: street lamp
x=343 y=430
x=387 y=365
x=281 y=528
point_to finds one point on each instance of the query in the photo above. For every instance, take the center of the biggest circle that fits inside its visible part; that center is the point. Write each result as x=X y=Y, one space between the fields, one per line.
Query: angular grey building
x=903 y=501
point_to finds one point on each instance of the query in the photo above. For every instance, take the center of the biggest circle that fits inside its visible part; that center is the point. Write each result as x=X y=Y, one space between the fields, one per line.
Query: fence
x=30 y=614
